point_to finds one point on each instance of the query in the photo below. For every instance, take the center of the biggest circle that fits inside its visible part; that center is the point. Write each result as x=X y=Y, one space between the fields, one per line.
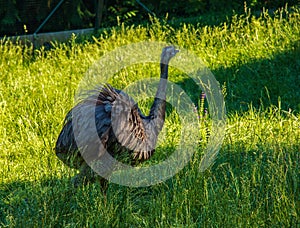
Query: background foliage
x=20 y=17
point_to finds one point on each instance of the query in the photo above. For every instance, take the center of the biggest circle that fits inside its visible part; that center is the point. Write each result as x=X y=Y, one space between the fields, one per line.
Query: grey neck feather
x=158 y=109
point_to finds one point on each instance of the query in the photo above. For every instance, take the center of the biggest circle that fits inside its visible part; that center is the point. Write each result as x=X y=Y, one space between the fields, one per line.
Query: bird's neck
x=158 y=109
x=164 y=70
x=162 y=86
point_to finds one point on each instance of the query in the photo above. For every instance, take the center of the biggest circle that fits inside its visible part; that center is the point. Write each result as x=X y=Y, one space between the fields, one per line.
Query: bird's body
x=119 y=123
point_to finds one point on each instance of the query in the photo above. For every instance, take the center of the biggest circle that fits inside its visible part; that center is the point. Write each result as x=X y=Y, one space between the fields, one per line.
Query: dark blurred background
x=19 y=17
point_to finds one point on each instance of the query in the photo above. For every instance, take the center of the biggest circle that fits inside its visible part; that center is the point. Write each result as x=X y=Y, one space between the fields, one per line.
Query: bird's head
x=168 y=53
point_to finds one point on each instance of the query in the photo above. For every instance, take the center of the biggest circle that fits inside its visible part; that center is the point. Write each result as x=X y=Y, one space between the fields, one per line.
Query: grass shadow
x=259 y=82
x=259 y=185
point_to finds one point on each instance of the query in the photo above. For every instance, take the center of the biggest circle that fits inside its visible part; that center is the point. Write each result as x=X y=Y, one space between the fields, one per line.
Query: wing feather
x=98 y=106
x=119 y=124
x=131 y=128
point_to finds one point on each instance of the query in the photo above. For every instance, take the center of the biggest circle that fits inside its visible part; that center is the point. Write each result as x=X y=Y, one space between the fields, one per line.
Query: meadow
x=255 y=179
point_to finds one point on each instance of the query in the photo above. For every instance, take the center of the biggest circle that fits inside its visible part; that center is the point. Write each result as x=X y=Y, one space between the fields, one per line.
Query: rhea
x=120 y=124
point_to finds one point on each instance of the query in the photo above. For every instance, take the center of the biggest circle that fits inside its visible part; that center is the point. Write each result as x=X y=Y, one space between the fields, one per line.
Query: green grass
x=255 y=179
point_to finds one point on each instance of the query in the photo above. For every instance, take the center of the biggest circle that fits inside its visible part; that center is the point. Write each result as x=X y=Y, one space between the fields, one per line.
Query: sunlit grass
x=255 y=179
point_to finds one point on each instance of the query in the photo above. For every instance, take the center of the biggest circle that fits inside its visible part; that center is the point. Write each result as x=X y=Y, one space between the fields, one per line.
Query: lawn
x=255 y=179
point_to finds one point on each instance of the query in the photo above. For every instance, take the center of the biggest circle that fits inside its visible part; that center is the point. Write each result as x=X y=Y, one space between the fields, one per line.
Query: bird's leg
x=85 y=175
x=104 y=184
